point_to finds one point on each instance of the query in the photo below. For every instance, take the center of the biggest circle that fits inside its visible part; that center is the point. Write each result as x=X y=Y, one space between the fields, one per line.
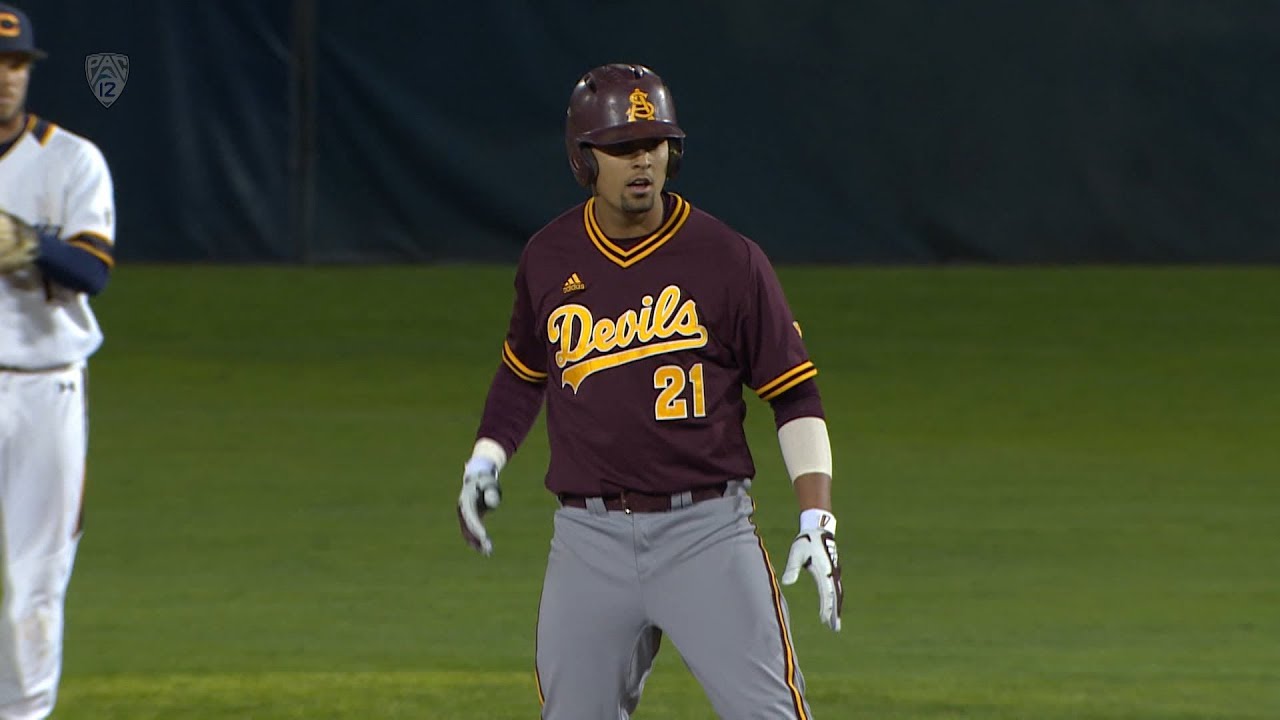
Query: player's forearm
x=510 y=410
x=806 y=451
x=813 y=491
x=82 y=264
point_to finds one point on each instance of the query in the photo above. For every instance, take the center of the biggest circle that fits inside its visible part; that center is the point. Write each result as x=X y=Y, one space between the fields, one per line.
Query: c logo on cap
x=9 y=25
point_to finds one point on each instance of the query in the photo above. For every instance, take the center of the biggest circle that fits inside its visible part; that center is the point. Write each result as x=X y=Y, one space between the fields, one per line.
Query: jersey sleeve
x=523 y=352
x=90 y=216
x=769 y=338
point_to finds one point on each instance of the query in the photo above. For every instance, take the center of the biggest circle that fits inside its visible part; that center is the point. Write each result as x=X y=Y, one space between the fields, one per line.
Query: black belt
x=36 y=371
x=645 y=503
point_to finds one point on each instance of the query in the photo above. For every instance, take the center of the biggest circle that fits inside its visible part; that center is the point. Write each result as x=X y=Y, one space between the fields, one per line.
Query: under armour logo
x=66 y=387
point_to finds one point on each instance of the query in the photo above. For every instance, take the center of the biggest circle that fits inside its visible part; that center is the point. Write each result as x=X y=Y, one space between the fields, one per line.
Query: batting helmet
x=615 y=104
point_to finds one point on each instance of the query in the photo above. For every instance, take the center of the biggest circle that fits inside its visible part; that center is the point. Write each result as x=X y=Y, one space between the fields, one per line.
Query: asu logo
x=641 y=108
x=660 y=326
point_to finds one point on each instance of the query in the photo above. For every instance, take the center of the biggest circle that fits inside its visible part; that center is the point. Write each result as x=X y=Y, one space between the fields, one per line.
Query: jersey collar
x=626 y=257
x=37 y=127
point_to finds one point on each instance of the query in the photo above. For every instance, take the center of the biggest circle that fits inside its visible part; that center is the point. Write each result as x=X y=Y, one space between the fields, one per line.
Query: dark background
x=900 y=131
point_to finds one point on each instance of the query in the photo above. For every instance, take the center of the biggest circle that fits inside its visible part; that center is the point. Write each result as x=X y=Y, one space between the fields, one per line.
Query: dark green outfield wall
x=899 y=131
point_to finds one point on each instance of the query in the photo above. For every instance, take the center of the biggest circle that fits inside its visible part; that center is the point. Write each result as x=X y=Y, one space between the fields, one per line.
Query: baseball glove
x=19 y=243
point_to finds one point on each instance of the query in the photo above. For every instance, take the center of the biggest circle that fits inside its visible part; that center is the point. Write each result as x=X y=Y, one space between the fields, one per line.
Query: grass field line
x=301 y=680
x=285 y=695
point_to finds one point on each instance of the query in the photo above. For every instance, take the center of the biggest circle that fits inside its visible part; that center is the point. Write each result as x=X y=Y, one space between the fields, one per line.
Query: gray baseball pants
x=617 y=582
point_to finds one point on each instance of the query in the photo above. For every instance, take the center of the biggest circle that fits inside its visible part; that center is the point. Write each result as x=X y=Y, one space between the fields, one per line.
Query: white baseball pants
x=43 y=441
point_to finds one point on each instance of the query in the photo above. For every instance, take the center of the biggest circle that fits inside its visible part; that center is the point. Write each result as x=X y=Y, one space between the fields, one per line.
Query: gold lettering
x=573 y=376
x=644 y=332
x=579 y=334
x=687 y=318
x=602 y=336
x=627 y=328
x=664 y=309
x=566 y=323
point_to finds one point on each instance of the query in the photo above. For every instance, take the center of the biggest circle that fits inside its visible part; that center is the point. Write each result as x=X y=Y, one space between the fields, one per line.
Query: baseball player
x=638 y=319
x=56 y=229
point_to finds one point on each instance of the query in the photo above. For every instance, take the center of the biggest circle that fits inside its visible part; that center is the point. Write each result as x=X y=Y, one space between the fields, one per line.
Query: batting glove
x=480 y=494
x=814 y=549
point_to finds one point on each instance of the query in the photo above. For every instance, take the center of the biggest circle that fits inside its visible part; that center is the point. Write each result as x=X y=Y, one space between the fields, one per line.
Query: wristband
x=814 y=519
x=489 y=451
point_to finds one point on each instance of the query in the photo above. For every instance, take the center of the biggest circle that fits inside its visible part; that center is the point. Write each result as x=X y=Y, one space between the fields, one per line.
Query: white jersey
x=57 y=180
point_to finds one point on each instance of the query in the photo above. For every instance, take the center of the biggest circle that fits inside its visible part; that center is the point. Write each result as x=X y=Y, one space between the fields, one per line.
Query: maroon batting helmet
x=615 y=104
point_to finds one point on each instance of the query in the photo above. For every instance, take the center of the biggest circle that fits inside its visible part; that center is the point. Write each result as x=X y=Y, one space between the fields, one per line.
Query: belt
x=36 y=371
x=630 y=502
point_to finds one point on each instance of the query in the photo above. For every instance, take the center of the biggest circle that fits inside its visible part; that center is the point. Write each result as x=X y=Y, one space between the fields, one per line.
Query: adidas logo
x=573 y=284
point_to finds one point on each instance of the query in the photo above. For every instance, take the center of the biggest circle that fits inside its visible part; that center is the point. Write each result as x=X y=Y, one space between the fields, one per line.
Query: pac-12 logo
x=107 y=73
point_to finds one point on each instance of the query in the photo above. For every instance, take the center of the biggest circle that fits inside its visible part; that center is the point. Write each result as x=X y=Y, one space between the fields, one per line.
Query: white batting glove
x=814 y=549
x=480 y=494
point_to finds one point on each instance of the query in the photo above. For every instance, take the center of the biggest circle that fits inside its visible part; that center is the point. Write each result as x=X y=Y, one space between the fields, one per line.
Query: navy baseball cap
x=17 y=35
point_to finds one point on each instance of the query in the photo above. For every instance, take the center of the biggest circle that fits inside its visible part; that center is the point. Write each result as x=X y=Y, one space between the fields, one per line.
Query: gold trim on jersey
x=579 y=334
x=98 y=236
x=643 y=249
x=94 y=244
x=519 y=369
x=788 y=653
x=787 y=380
x=41 y=129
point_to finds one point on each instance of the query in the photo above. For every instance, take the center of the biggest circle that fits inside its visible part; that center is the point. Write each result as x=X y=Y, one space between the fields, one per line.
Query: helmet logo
x=641 y=108
x=10 y=26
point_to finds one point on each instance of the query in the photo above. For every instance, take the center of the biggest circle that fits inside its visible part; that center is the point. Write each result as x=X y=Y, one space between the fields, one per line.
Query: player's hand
x=814 y=550
x=480 y=494
x=19 y=243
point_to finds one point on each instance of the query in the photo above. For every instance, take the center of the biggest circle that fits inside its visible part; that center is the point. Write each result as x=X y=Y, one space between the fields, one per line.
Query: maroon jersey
x=645 y=348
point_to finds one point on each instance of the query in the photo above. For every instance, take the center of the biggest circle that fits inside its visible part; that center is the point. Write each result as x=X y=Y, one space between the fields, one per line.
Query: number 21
x=670 y=379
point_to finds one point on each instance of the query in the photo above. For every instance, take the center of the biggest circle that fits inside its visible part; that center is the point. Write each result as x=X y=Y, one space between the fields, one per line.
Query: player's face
x=15 y=74
x=631 y=174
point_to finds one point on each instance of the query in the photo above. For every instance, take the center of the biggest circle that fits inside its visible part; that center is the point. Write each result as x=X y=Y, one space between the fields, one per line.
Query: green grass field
x=1059 y=493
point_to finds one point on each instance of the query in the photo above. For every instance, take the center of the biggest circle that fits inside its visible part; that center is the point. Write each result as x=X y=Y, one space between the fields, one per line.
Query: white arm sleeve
x=806 y=447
